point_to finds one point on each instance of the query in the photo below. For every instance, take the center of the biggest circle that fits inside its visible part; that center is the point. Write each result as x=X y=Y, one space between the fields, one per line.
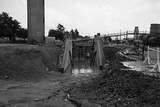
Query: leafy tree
x=74 y=34
x=61 y=34
x=9 y=27
x=22 y=33
x=67 y=34
x=60 y=28
x=57 y=34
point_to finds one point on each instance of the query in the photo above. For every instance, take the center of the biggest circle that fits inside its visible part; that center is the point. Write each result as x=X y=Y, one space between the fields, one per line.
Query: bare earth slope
x=26 y=62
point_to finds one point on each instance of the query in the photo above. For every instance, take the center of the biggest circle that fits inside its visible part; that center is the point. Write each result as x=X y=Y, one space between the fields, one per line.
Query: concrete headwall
x=36 y=20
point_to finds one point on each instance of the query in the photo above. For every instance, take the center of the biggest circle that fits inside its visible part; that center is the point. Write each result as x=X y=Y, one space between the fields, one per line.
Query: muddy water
x=77 y=71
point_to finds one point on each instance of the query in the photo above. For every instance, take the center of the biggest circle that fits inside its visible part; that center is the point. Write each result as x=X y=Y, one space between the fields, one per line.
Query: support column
x=36 y=21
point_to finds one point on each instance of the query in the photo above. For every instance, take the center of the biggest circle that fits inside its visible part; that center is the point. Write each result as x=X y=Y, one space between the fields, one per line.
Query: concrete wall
x=36 y=20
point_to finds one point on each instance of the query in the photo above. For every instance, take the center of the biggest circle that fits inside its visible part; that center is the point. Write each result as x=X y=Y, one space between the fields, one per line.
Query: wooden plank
x=67 y=57
x=99 y=52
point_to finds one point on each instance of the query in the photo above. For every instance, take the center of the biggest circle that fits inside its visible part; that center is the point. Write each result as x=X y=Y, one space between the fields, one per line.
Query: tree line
x=10 y=28
x=60 y=33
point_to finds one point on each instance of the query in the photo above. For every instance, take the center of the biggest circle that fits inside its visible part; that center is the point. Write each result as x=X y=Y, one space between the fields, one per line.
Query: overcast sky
x=91 y=16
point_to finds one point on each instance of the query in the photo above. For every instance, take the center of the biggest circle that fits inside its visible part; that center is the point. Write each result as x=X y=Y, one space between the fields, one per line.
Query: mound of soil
x=26 y=62
x=110 y=52
x=118 y=88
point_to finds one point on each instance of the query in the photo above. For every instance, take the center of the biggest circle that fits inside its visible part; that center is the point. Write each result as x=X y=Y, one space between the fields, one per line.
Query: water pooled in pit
x=77 y=71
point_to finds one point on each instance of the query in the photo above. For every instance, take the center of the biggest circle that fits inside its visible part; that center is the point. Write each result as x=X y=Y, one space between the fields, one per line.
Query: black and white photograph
x=79 y=53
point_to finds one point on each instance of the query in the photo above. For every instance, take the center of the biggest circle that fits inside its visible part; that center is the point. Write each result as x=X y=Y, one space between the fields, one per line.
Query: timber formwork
x=83 y=54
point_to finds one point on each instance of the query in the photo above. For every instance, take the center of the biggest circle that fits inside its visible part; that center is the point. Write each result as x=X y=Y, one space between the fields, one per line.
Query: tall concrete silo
x=36 y=23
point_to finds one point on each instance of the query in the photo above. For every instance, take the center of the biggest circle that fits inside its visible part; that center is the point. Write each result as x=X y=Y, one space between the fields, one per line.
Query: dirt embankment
x=27 y=62
x=118 y=88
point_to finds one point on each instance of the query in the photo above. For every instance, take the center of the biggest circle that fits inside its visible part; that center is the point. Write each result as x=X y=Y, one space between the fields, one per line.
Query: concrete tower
x=36 y=21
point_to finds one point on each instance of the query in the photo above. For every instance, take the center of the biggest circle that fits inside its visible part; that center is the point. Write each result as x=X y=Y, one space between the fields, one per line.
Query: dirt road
x=52 y=91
